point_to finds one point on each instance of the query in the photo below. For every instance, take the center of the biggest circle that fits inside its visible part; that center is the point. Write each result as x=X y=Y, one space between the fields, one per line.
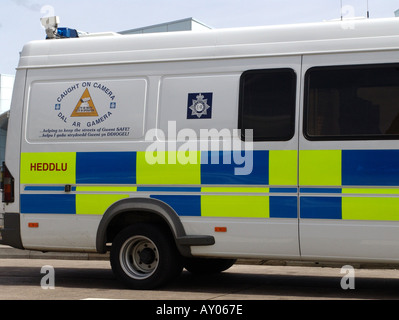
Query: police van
x=194 y=149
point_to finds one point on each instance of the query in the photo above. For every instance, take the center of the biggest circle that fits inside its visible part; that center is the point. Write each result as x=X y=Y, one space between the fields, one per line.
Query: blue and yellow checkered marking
x=349 y=168
x=349 y=184
x=333 y=184
x=219 y=202
x=365 y=204
x=99 y=179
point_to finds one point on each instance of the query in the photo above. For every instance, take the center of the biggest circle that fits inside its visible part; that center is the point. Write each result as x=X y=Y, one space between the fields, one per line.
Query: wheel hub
x=139 y=257
x=147 y=256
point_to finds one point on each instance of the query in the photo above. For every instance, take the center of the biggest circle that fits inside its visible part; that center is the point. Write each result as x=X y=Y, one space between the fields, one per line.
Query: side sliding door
x=349 y=158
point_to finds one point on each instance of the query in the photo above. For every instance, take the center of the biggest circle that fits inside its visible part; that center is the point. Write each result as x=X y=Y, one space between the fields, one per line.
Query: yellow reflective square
x=96 y=204
x=320 y=168
x=48 y=168
x=235 y=206
x=169 y=168
x=370 y=208
x=283 y=168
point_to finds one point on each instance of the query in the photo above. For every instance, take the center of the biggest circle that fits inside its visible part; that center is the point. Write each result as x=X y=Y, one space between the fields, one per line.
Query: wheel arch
x=129 y=211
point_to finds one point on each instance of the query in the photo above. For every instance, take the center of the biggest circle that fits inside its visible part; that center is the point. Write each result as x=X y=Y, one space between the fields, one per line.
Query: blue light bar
x=67 y=33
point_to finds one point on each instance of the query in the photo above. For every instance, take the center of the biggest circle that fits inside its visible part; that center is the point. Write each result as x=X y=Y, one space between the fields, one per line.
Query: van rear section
x=9 y=222
x=194 y=149
x=10 y=228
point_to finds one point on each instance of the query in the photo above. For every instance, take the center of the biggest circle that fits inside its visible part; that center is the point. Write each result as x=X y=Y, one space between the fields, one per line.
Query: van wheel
x=208 y=266
x=144 y=256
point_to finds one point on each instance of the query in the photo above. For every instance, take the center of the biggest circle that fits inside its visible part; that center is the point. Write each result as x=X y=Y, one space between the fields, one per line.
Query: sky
x=20 y=19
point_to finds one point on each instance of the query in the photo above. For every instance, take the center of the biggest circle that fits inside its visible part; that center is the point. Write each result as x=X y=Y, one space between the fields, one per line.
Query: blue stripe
x=44 y=188
x=183 y=205
x=283 y=207
x=215 y=168
x=321 y=208
x=106 y=168
x=370 y=167
x=48 y=204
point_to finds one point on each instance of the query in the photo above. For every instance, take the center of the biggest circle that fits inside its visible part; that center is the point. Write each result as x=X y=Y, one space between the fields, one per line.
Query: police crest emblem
x=200 y=106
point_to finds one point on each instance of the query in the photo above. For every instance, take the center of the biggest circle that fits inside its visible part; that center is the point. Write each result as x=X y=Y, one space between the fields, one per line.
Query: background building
x=189 y=24
x=6 y=86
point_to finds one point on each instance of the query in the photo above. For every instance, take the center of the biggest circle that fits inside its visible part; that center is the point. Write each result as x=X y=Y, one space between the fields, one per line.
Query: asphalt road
x=79 y=280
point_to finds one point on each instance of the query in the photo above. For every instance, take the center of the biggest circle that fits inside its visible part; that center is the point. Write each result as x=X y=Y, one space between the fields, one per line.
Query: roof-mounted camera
x=53 y=32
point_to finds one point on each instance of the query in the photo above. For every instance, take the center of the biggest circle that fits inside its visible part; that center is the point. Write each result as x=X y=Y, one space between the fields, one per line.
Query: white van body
x=86 y=112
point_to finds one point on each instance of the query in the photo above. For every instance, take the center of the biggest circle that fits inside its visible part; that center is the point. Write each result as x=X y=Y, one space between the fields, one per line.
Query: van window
x=267 y=104
x=352 y=103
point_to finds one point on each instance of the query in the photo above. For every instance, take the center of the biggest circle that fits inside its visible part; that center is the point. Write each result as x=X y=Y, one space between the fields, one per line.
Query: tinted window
x=358 y=102
x=267 y=104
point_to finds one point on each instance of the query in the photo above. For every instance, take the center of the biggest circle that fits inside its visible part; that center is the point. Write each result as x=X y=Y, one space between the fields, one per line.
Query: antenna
x=368 y=10
x=342 y=17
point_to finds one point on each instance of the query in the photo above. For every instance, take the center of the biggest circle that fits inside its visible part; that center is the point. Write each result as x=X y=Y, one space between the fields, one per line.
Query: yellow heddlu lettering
x=49 y=167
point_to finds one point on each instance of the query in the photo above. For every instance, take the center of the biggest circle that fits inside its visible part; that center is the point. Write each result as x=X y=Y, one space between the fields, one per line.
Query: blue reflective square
x=219 y=167
x=321 y=208
x=48 y=204
x=189 y=206
x=370 y=167
x=284 y=207
x=106 y=168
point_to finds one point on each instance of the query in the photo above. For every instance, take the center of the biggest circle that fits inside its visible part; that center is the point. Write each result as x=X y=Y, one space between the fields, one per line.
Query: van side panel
x=84 y=150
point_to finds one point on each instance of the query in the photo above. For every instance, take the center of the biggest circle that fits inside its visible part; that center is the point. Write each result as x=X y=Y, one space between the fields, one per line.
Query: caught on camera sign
x=85 y=110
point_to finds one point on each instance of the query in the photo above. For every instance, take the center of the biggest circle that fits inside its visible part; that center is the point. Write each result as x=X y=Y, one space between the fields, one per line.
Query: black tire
x=144 y=256
x=208 y=266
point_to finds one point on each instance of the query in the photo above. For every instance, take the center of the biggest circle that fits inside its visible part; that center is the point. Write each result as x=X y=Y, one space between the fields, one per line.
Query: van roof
x=335 y=36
